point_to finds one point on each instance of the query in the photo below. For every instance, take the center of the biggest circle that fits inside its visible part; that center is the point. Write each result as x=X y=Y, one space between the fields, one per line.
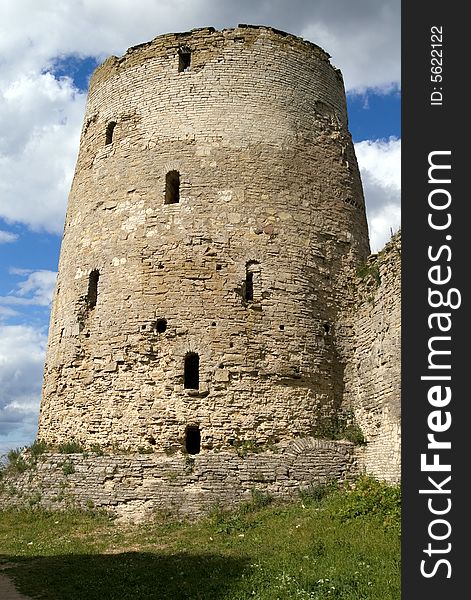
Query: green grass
x=335 y=544
x=71 y=447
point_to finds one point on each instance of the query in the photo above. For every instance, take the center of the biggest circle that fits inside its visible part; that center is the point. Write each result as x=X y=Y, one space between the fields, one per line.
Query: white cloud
x=40 y=121
x=36 y=289
x=365 y=46
x=380 y=168
x=362 y=36
x=6 y=313
x=6 y=237
x=41 y=116
x=22 y=351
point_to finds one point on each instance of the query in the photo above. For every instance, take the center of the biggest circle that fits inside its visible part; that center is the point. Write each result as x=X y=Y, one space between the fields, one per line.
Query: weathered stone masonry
x=205 y=290
x=136 y=486
x=244 y=272
x=373 y=362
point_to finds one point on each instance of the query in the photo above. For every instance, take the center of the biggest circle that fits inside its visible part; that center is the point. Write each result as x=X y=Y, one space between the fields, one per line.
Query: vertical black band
x=435 y=325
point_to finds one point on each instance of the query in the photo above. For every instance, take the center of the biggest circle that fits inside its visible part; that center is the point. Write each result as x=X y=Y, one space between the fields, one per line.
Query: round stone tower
x=215 y=213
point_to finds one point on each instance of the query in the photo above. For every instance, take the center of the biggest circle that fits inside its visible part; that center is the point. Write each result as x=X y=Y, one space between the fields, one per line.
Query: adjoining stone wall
x=257 y=129
x=373 y=361
x=136 y=486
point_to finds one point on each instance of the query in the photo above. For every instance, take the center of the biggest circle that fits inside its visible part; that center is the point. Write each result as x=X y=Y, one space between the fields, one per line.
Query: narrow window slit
x=252 y=281
x=109 y=132
x=249 y=286
x=184 y=60
x=92 y=294
x=193 y=439
x=192 y=371
x=172 y=187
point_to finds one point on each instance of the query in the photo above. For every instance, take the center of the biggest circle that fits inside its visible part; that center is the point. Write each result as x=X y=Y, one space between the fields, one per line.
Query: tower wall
x=269 y=198
x=373 y=365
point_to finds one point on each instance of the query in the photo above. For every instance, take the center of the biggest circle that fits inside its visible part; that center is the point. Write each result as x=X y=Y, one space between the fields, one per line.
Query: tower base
x=134 y=487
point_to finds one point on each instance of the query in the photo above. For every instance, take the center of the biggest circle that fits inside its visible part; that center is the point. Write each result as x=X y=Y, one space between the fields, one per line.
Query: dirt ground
x=8 y=590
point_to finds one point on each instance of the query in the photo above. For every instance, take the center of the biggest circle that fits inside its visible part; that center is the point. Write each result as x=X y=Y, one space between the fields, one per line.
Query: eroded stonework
x=136 y=487
x=373 y=364
x=206 y=280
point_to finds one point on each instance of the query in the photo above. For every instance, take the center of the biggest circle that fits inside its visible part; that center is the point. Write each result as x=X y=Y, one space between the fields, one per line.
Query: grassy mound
x=335 y=542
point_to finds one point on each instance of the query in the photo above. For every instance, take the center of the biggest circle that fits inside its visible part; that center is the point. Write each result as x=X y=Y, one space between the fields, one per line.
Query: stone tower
x=215 y=214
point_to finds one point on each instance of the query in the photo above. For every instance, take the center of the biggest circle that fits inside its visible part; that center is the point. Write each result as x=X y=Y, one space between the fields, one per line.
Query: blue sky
x=48 y=51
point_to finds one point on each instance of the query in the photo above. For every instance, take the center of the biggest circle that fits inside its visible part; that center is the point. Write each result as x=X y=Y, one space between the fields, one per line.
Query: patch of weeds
x=13 y=491
x=231 y=524
x=189 y=463
x=117 y=449
x=145 y=450
x=225 y=521
x=368 y=496
x=97 y=449
x=244 y=447
x=72 y=447
x=171 y=475
x=258 y=500
x=315 y=492
x=228 y=521
x=68 y=468
x=37 y=449
x=340 y=427
x=19 y=460
x=318 y=548
x=34 y=499
x=370 y=270
x=16 y=462
x=170 y=451
x=272 y=447
x=354 y=434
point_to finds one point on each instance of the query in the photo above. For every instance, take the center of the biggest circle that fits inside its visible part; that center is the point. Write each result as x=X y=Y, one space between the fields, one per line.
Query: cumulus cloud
x=364 y=42
x=40 y=121
x=362 y=36
x=6 y=237
x=22 y=351
x=36 y=289
x=41 y=115
x=7 y=312
x=380 y=168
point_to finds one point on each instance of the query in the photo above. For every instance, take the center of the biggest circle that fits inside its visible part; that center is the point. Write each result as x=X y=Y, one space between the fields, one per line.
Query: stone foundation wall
x=135 y=486
x=373 y=361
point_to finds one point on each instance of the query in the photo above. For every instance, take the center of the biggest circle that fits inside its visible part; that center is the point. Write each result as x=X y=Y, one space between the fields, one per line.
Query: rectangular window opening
x=192 y=371
x=172 y=187
x=184 y=60
x=193 y=440
x=109 y=132
x=92 y=293
x=249 y=286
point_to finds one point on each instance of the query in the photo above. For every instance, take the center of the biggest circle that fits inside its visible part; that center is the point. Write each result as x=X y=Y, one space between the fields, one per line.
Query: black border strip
x=434 y=131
